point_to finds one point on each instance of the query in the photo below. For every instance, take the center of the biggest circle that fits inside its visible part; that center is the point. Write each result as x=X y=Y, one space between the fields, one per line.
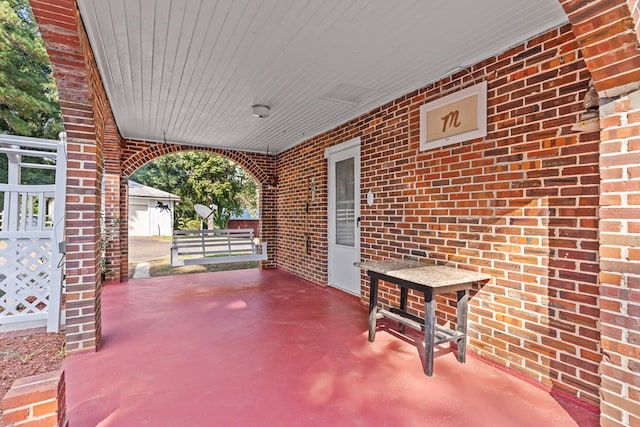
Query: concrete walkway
x=263 y=348
x=145 y=249
x=141 y=271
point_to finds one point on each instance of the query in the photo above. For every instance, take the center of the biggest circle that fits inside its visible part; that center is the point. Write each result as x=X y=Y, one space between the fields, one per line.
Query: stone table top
x=434 y=276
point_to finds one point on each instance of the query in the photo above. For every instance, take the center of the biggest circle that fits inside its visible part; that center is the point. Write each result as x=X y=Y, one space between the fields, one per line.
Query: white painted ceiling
x=188 y=71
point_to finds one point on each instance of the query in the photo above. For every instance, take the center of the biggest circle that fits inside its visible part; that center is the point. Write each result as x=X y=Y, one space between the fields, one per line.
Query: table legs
x=404 y=292
x=461 y=323
x=429 y=332
x=429 y=321
x=373 y=307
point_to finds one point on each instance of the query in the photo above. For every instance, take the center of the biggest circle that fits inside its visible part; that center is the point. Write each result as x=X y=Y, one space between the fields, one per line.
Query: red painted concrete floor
x=263 y=348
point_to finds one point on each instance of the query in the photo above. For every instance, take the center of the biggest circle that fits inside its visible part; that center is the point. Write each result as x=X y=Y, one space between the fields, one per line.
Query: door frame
x=331 y=225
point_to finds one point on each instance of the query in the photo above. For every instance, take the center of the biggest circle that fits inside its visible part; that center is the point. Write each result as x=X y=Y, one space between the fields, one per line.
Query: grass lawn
x=162 y=267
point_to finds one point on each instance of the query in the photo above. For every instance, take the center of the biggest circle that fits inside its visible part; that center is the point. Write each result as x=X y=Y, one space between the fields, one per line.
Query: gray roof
x=138 y=190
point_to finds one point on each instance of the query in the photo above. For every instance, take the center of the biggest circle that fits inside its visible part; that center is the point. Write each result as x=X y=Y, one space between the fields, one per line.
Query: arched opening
x=188 y=190
x=131 y=155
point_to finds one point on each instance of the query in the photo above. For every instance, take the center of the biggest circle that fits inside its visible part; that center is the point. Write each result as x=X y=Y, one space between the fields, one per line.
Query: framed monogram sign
x=457 y=117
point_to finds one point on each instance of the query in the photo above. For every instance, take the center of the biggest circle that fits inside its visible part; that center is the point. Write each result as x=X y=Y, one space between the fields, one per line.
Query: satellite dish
x=202 y=210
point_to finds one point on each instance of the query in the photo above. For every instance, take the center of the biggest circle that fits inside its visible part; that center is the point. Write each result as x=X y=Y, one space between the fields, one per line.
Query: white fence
x=31 y=236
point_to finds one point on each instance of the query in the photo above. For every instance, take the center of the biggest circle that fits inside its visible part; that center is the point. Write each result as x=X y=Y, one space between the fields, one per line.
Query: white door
x=344 y=215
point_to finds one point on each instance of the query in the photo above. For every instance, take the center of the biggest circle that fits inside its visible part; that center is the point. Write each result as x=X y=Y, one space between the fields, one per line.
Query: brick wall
x=302 y=235
x=520 y=204
x=36 y=401
x=253 y=224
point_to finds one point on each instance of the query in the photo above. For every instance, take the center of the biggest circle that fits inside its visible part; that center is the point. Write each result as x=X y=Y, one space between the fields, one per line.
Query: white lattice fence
x=25 y=265
x=31 y=236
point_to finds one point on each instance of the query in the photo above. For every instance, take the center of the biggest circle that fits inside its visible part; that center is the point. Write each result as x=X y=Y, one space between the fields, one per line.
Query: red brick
x=48 y=421
x=45 y=408
x=26 y=394
x=10 y=415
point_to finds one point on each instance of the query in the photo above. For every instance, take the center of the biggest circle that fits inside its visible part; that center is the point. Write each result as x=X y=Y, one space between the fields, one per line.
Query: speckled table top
x=434 y=276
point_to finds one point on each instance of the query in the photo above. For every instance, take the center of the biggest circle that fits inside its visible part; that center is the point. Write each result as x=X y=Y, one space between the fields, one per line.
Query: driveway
x=145 y=249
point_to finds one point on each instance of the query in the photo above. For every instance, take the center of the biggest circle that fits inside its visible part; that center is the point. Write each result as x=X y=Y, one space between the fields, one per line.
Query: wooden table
x=431 y=280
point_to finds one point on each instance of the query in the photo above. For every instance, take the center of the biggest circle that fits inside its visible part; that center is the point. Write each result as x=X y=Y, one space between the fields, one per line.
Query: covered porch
x=544 y=199
x=263 y=347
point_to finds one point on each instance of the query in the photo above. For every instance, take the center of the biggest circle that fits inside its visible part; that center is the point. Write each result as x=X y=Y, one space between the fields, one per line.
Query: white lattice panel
x=32 y=234
x=25 y=270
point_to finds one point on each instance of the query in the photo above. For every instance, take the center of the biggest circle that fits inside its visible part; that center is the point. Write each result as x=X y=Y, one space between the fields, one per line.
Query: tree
x=202 y=178
x=28 y=95
x=225 y=185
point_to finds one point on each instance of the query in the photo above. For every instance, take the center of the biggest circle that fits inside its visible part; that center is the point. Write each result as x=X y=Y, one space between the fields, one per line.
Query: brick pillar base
x=35 y=401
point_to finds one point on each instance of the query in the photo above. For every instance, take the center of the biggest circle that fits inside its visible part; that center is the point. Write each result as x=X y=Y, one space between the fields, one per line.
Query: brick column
x=268 y=224
x=607 y=32
x=124 y=227
x=84 y=107
x=112 y=203
x=620 y=261
x=268 y=205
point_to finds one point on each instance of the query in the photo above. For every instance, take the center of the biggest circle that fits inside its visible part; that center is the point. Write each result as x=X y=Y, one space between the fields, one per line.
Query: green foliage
x=28 y=95
x=28 y=175
x=202 y=178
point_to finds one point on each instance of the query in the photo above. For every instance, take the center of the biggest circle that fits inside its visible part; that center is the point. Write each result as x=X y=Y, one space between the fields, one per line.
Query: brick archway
x=261 y=167
x=607 y=33
x=138 y=153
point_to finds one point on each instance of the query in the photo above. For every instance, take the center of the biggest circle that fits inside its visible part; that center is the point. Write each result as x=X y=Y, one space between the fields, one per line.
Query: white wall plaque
x=460 y=116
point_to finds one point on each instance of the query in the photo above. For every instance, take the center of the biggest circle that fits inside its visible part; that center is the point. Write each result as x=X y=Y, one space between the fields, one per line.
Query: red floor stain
x=263 y=348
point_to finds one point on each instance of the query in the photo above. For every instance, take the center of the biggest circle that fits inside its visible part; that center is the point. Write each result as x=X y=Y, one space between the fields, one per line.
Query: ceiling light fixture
x=260 y=110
